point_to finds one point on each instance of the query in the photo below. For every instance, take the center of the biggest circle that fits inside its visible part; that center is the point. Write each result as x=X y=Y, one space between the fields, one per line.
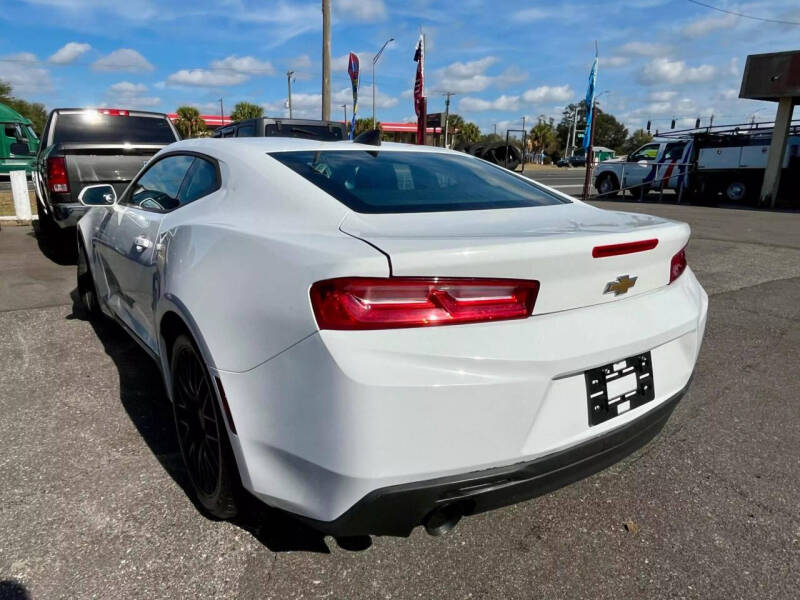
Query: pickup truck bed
x=85 y=147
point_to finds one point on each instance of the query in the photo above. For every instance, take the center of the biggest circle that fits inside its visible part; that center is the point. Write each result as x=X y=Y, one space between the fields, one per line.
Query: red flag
x=419 y=82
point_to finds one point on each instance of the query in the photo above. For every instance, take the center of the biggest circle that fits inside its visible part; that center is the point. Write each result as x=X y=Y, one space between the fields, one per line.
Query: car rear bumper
x=341 y=415
x=396 y=510
x=68 y=214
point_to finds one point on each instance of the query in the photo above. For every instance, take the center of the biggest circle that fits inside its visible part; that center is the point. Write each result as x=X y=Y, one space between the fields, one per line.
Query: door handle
x=141 y=243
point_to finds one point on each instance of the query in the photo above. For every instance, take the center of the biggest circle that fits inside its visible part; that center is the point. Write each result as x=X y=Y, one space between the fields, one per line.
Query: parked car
x=18 y=142
x=324 y=131
x=87 y=146
x=374 y=338
x=576 y=160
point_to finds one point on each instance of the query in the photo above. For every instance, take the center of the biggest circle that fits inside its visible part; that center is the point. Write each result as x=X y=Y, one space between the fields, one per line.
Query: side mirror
x=20 y=148
x=97 y=195
x=642 y=163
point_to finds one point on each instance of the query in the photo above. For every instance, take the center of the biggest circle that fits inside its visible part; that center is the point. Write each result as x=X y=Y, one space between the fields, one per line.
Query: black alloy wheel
x=202 y=433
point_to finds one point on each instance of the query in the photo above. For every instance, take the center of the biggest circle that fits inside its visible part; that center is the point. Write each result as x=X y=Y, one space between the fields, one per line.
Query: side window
x=674 y=151
x=248 y=130
x=158 y=188
x=201 y=180
x=647 y=152
x=228 y=132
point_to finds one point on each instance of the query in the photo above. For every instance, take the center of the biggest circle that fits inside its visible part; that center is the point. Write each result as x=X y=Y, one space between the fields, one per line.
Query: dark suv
x=299 y=128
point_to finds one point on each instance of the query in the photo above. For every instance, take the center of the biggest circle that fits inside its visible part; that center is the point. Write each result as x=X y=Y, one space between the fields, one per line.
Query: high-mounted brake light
x=397 y=302
x=677 y=265
x=114 y=112
x=57 y=174
x=626 y=248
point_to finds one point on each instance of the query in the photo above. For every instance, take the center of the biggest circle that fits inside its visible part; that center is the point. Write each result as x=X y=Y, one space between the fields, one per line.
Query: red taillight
x=57 y=174
x=113 y=112
x=677 y=265
x=395 y=302
x=626 y=248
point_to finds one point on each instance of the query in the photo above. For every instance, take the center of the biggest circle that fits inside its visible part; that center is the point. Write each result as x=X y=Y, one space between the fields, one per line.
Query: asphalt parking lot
x=92 y=500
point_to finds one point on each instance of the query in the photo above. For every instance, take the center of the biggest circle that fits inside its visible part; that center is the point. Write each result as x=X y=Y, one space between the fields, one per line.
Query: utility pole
x=221 y=114
x=524 y=143
x=375 y=60
x=289 y=83
x=344 y=106
x=446 y=114
x=326 y=60
x=495 y=128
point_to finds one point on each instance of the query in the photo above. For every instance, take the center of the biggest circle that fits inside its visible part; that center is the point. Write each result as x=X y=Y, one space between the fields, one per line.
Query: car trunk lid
x=551 y=244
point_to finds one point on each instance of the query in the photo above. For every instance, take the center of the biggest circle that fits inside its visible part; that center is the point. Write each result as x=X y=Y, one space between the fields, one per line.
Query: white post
x=19 y=191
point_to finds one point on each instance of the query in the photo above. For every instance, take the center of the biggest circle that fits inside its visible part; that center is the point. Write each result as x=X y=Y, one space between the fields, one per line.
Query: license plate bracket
x=618 y=387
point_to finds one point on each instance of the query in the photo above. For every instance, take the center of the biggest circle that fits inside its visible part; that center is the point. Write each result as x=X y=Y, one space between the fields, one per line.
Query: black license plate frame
x=602 y=408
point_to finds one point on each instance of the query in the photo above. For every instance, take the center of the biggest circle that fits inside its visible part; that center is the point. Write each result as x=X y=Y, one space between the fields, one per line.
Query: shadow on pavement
x=13 y=590
x=145 y=400
x=59 y=247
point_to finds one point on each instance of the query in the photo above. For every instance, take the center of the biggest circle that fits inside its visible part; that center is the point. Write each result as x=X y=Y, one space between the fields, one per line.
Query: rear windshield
x=311 y=132
x=408 y=182
x=93 y=128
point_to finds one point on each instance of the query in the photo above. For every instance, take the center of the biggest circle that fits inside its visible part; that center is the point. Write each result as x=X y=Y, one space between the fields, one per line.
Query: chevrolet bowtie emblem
x=621 y=285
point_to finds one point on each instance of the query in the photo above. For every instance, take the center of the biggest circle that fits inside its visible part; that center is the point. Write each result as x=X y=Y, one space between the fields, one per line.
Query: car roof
x=286 y=144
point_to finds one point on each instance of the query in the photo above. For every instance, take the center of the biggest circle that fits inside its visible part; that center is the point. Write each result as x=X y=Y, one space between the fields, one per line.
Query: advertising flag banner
x=590 y=93
x=352 y=70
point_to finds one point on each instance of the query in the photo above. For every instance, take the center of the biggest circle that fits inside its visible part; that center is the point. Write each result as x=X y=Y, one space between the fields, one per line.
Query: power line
x=738 y=14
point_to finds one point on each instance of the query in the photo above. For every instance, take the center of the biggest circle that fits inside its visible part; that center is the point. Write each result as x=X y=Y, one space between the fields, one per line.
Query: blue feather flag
x=590 y=93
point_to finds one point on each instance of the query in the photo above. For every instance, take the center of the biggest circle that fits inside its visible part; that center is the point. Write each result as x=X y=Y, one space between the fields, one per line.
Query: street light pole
x=289 y=83
x=374 y=62
x=221 y=114
x=344 y=106
x=446 y=114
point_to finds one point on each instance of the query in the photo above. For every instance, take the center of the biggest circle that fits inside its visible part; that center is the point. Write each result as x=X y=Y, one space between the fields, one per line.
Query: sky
x=659 y=59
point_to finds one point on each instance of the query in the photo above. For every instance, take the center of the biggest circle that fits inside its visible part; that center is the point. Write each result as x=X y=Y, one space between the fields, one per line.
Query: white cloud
x=705 y=25
x=546 y=93
x=124 y=59
x=360 y=10
x=310 y=105
x=465 y=77
x=662 y=96
x=642 y=49
x=530 y=15
x=23 y=72
x=614 y=61
x=664 y=70
x=300 y=62
x=125 y=94
x=729 y=94
x=126 y=87
x=247 y=65
x=69 y=53
x=470 y=104
x=510 y=76
x=206 y=78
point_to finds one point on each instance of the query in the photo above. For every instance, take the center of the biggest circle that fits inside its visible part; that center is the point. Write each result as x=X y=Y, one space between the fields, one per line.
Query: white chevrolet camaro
x=374 y=337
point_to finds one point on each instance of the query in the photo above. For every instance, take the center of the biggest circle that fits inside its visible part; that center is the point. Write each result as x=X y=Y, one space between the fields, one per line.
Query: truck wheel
x=202 y=433
x=47 y=227
x=736 y=191
x=607 y=186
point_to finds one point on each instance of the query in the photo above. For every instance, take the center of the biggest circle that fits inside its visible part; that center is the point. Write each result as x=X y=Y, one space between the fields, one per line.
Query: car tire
x=202 y=432
x=607 y=186
x=736 y=191
x=87 y=292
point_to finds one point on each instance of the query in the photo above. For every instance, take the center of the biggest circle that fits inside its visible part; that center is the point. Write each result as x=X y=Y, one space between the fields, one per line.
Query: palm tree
x=189 y=122
x=246 y=110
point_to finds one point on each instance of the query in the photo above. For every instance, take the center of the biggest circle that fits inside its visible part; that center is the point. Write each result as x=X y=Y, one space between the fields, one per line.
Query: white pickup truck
x=644 y=169
x=729 y=163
